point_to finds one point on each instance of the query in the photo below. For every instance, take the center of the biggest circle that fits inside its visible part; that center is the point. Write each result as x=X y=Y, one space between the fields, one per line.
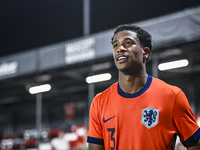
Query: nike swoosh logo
x=107 y=119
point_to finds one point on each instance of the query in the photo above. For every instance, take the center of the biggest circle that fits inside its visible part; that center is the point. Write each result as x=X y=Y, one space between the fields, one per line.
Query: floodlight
x=40 y=89
x=173 y=64
x=98 y=78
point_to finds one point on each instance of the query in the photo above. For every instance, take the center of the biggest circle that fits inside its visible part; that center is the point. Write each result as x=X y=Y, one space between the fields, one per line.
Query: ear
x=146 y=53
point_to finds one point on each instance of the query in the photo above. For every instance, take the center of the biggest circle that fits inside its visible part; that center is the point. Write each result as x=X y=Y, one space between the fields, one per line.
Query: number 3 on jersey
x=112 y=130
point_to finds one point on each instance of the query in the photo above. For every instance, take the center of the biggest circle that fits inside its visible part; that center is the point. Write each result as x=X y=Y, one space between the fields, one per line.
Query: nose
x=121 y=49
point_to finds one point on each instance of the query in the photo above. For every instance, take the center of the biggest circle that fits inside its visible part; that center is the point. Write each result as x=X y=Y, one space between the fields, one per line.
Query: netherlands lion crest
x=150 y=117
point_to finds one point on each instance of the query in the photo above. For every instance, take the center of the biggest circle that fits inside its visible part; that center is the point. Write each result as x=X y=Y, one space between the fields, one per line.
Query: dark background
x=29 y=24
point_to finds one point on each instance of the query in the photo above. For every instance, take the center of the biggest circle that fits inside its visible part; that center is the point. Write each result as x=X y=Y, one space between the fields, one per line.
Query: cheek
x=137 y=57
x=114 y=55
x=114 y=58
x=135 y=54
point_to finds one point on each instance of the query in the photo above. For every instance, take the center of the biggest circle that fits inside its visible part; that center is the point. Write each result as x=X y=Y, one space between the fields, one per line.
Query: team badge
x=150 y=117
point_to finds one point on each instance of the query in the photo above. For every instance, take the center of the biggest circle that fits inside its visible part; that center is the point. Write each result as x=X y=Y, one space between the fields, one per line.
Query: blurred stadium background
x=61 y=43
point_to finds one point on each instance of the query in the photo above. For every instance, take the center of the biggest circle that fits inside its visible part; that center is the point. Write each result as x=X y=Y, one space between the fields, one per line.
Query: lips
x=122 y=58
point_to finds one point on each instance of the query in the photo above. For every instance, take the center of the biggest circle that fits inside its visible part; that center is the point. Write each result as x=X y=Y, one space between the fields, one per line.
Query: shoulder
x=109 y=91
x=103 y=96
x=163 y=86
x=170 y=93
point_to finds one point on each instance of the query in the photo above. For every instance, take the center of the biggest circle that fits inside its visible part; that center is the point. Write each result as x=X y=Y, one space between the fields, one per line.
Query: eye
x=128 y=43
x=115 y=45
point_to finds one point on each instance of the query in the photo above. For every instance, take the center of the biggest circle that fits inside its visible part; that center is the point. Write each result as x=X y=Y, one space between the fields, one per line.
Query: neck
x=132 y=83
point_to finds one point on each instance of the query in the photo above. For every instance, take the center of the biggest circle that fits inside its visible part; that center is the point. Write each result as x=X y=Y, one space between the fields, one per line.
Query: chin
x=122 y=69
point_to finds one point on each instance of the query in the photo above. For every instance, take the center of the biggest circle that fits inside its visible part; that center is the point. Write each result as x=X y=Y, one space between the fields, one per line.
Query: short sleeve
x=95 y=129
x=183 y=117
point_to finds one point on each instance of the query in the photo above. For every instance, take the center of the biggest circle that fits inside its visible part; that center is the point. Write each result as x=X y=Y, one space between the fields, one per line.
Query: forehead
x=125 y=34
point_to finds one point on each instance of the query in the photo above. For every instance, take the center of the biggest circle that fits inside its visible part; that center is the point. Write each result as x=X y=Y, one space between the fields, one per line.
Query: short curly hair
x=144 y=37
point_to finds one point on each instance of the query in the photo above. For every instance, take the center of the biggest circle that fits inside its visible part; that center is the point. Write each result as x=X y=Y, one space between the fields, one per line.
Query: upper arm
x=95 y=147
x=95 y=133
x=183 y=117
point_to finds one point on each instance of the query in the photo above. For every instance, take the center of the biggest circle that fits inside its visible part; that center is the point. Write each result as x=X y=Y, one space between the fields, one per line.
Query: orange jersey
x=149 y=119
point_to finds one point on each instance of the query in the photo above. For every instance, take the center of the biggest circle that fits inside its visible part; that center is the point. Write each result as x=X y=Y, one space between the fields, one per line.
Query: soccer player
x=139 y=112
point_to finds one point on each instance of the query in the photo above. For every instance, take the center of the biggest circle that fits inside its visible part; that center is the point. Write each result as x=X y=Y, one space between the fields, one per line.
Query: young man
x=139 y=112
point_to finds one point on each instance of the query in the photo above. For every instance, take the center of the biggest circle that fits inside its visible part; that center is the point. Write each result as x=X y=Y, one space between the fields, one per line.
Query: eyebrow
x=114 y=41
x=124 y=39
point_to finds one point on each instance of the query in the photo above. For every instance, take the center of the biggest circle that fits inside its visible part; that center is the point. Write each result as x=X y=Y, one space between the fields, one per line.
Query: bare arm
x=95 y=147
x=196 y=146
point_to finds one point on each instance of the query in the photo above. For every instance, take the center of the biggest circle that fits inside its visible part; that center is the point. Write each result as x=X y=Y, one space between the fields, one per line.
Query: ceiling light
x=98 y=78
x=40 y=88
x=173 y=64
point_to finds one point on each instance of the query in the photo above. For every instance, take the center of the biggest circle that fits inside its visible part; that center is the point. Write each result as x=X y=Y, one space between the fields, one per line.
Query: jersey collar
x=128 y=95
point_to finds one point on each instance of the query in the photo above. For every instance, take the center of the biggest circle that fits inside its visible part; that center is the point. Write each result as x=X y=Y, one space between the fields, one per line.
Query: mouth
x=122 y=58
